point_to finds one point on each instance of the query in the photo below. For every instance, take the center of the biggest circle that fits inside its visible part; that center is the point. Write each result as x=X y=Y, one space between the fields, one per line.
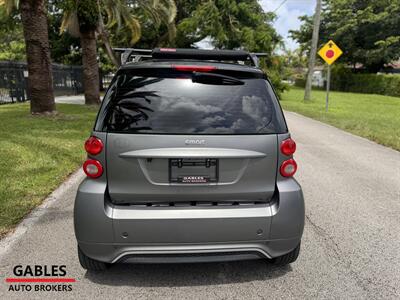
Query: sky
x=287 y=16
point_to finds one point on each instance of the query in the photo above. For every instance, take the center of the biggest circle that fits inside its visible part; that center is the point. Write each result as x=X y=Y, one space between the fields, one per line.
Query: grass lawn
x=37 y=154
x=374 y=117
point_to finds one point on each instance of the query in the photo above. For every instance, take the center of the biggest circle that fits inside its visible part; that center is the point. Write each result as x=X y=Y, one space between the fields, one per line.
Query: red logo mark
x=37 y=279
x=330 y=53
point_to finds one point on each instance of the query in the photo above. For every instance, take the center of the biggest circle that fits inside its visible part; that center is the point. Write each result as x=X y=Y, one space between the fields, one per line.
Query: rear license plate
x=193 y=170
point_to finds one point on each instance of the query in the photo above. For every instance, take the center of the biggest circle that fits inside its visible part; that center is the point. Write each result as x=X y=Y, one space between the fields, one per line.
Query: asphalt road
x=350 y=249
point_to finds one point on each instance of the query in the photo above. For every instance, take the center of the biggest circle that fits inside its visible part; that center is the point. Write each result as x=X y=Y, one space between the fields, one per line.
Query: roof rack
x=135 y=55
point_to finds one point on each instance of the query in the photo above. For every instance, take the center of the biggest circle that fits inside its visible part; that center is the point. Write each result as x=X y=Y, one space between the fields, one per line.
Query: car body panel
x=100 y=225
x=135 y=212
x=247 y=169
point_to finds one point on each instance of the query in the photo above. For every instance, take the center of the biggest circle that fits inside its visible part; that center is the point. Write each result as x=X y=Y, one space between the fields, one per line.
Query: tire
x=287 y=258
x=91 y=264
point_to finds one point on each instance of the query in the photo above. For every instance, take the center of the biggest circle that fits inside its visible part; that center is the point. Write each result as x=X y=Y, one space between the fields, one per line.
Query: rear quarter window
x=149 y=102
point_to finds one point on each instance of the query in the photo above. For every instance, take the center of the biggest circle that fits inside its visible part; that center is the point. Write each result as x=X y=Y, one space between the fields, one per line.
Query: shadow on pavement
x=178 y=275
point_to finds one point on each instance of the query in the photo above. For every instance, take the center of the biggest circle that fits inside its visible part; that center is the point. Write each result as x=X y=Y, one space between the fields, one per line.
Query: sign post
x=330 y=52
x=328 y=85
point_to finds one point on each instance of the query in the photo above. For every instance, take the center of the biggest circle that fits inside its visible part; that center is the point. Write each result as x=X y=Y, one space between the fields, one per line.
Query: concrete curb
x=35 y=215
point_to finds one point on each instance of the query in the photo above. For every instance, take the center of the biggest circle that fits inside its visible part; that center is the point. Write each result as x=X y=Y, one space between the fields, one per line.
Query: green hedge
x=300 y=82
x=345 y=81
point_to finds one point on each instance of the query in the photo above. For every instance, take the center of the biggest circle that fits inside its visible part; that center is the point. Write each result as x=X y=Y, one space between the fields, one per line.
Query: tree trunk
x=105 y=37
x=109 y=50
x=90 y=67
x=313 y=52
x=40 y=77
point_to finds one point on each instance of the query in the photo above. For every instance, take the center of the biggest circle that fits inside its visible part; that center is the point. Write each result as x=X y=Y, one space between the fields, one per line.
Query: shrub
x=277 y=82
x=344 y=80
x=300 y=82
x=381 y=84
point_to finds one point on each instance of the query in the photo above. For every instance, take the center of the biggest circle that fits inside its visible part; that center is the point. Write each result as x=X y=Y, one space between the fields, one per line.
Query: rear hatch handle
x=192 y=153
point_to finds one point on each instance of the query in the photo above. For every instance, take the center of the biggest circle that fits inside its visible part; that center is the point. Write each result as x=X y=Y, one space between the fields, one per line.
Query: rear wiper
x=218 y=79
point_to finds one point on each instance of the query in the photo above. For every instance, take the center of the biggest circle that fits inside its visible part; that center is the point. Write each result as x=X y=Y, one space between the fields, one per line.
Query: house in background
x=392 y=68
x=319 y=77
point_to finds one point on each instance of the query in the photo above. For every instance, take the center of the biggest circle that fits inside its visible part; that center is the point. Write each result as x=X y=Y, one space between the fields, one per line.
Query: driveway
x=350 y=247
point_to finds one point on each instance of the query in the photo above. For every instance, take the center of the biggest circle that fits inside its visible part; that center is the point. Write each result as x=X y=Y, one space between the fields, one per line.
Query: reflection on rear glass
x=179 y=106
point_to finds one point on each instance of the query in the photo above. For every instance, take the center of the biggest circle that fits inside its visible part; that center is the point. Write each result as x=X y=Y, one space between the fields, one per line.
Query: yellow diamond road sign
x=330 y=52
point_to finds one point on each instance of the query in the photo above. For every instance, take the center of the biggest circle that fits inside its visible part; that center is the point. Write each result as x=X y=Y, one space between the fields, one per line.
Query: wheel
x=287 y=258
x=91 y=264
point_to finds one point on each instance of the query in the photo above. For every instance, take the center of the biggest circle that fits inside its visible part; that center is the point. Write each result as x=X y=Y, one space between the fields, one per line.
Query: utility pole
x=313 y=52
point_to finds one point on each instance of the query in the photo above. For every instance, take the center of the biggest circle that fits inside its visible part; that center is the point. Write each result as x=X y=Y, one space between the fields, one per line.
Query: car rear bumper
x=185 y=234
x=115 y=253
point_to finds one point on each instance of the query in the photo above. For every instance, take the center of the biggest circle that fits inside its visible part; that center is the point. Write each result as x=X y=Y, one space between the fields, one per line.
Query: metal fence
x=12 y=82
x=67 y=80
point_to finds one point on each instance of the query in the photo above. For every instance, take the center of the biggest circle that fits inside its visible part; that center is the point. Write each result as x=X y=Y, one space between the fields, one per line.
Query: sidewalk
x=74 y=99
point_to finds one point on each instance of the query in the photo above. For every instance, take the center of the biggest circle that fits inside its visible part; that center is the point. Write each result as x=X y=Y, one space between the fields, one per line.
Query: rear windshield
x=149 y=102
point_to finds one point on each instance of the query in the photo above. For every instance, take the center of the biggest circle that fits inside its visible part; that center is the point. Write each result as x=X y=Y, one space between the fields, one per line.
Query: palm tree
x=40 y=78
x=81 y=19
x=86 y=20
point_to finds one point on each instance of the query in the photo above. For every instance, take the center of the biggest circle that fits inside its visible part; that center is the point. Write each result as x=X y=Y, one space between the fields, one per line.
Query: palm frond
x=121 y=14
x=9 y=5
x=70 y=23
x=136 y=30
x=171 y=9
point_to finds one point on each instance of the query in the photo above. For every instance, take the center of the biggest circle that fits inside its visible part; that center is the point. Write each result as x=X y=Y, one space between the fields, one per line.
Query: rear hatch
x=185 y=135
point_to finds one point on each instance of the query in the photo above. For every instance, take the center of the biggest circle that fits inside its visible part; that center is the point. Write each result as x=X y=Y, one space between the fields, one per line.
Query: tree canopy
x=368 y=31
x=229 y=24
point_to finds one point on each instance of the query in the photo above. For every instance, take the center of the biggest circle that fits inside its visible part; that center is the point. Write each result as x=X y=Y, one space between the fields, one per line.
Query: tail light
x=288 y=147
x=93 y=145
x=92 y=168
x=167 y=49
x=288 y=168
x=193 y=68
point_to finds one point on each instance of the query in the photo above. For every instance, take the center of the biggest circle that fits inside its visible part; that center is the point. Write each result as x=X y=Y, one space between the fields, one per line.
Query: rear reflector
x=194 y=68
x=288 y=147
x=92 y=168
x=288 y=168
x=93 y=145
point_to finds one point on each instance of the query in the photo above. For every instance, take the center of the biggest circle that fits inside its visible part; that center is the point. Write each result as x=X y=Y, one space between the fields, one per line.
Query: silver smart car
x=190 y=160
